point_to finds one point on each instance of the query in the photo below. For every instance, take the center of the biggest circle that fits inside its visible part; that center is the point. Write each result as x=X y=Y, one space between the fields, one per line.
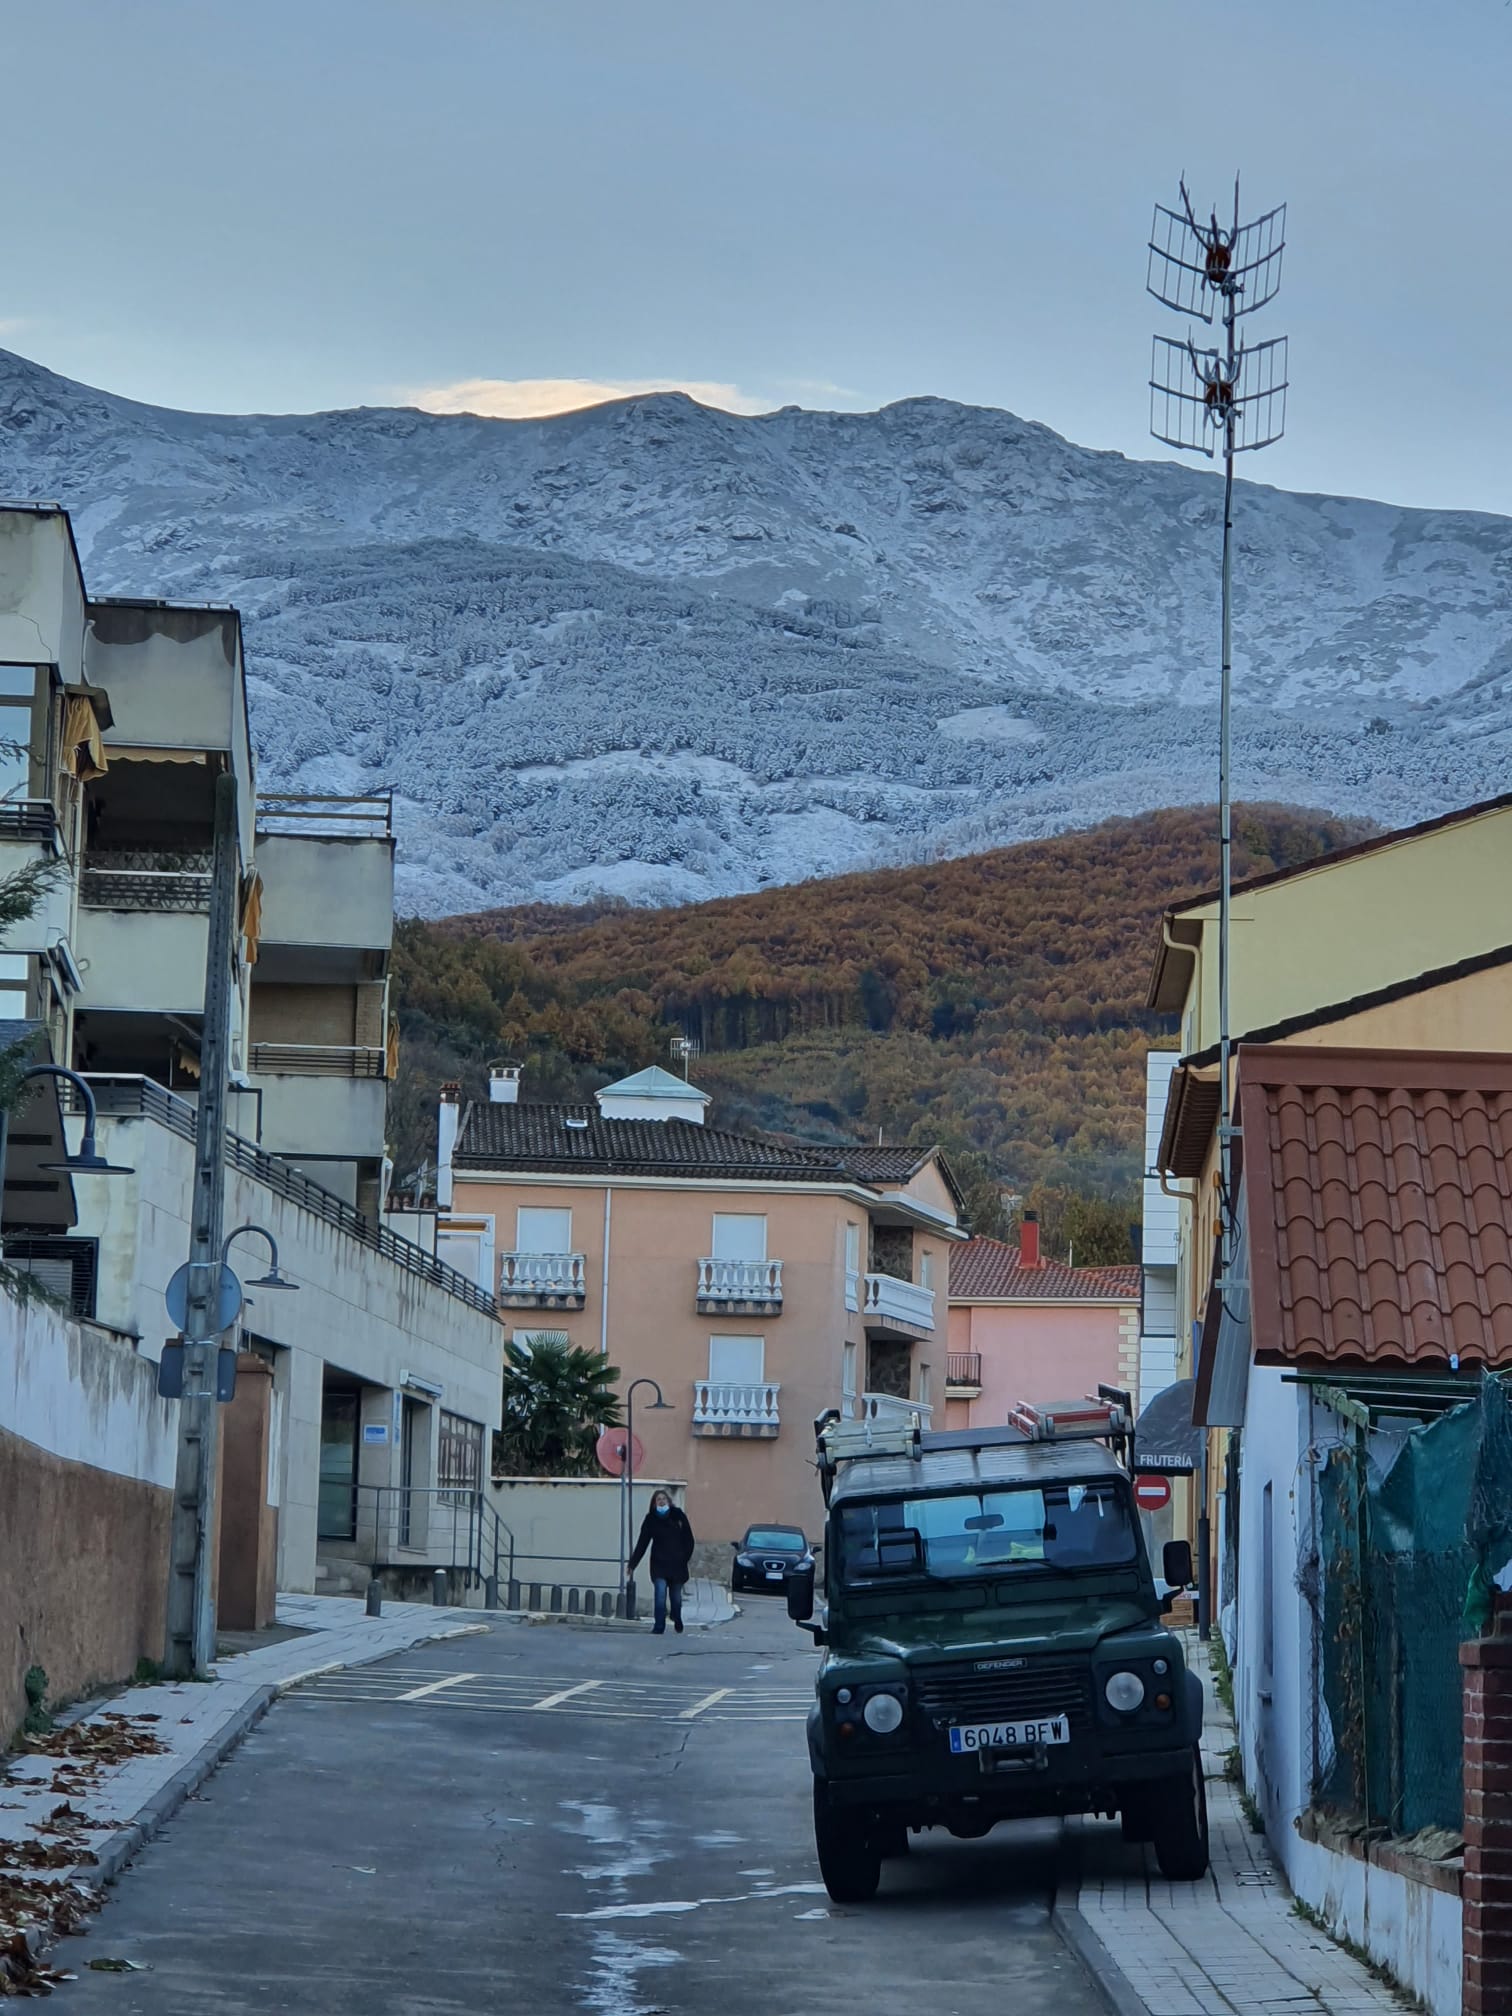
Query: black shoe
x=677 y=1625
x=658 y=1630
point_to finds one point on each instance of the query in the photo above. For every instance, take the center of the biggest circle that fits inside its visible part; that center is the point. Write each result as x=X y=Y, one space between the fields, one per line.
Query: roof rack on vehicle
x=838 y=1441
x=1104 y=1416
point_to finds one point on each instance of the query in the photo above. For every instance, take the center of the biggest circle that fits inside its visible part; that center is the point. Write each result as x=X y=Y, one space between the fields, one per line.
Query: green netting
x=1412 y=1525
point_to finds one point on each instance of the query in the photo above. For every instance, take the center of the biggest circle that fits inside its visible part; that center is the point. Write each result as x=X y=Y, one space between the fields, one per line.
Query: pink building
x=1025 y=1328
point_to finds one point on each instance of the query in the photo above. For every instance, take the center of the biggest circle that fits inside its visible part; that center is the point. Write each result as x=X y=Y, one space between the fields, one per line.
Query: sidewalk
x=1227 y=1946
x=705 y=1604
x=74 y=1813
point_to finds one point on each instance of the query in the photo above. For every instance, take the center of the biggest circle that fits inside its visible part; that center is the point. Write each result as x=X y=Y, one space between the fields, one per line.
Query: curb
x=1099 y=1965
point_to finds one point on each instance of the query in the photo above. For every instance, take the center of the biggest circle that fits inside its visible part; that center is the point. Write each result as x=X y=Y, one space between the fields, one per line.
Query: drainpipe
x=604 y=1290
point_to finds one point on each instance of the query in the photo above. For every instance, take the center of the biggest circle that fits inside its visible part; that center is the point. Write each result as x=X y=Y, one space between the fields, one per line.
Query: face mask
x=662 y=1511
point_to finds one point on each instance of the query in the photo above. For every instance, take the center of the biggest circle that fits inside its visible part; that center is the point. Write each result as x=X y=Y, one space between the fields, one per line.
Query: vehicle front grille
x=961 y=1694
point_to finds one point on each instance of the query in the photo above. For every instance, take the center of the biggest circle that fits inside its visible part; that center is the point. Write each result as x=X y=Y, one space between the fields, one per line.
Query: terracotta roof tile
x=1380 y=1204
x=988 y=1270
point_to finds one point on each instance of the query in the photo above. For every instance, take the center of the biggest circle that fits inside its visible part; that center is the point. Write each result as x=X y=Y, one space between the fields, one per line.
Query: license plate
x=972 y=1736
x=776 y=1574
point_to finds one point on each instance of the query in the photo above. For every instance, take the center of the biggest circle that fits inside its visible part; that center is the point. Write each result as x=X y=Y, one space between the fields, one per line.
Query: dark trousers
x=667 y=1592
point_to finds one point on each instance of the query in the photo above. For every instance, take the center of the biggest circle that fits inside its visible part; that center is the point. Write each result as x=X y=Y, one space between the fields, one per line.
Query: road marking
x=567 y=1693
x=708 y=1701
x=437 y=1686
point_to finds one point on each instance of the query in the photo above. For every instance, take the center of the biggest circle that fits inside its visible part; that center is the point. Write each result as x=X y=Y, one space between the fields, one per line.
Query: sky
x=513 y=206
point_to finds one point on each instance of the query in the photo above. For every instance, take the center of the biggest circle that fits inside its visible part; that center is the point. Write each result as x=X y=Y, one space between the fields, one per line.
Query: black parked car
x=764 y=1557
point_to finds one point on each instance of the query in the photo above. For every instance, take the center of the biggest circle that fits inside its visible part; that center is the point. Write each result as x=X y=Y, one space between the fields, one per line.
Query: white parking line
x=567 y=1693
x=437 y=1686
x=708 y=1701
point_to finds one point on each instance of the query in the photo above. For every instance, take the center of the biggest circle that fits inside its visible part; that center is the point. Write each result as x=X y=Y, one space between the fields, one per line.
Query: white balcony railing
x=740 y=1281
x=885 y=1299
x=724 y=1403
x=542 y=1278
x=890 y=1412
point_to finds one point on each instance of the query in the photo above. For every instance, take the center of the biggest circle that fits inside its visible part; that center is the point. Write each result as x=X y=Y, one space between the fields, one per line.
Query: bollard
x=556 y=1595
x=630 y=1600
x=535 y=1595
x=490 y=1592
x=438 y=1587
x=513 y=1599
x=375 y=1598
x=606 y=1604
x=574 y=1602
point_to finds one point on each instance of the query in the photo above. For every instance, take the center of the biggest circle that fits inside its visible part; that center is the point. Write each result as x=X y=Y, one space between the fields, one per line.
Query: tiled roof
x=541 y=1136
x=1379 y=1193
x=882 y=1164
x=987 y=1270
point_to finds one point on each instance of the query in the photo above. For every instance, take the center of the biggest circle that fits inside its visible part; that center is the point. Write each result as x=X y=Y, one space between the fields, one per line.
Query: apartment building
x=757 y=1282
x=384 y=1369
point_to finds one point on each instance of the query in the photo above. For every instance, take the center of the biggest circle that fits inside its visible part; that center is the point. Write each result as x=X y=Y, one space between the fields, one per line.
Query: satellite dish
x=610 y=1450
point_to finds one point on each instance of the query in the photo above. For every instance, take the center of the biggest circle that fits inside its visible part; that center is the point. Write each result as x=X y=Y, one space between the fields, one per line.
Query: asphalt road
x=557 y=1819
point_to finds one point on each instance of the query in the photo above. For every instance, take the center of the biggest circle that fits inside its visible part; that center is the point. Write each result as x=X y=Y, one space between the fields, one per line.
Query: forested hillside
x=993 y=1002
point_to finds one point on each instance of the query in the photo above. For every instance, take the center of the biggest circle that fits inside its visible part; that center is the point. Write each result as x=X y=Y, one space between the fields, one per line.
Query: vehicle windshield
x=1019 y=1528
x=787 y=1538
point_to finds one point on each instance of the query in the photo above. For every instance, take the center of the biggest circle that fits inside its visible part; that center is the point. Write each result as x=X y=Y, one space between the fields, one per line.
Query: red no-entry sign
x=1152 y=1494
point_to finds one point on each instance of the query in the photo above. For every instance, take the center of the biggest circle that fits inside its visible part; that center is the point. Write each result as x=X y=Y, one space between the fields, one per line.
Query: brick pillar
x=1487 y=1888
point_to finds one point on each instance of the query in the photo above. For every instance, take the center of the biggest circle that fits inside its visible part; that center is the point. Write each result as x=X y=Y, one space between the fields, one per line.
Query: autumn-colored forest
x=994 y=1003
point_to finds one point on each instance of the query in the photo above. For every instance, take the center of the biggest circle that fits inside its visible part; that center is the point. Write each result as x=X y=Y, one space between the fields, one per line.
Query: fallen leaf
x=119 y=1967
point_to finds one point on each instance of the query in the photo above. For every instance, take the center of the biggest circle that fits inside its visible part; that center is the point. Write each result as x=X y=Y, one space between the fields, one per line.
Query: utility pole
x=191 y=1608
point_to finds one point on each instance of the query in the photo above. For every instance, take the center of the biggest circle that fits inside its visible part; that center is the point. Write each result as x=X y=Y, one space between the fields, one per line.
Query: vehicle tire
x=850 y=1859
x=1180 y=1826
x=892 y=1840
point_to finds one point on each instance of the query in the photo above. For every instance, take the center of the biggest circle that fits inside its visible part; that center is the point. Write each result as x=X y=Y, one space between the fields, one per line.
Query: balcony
x=542 y=1281
x=887 y=1411
x=747 y=1412
x=319 y=1060
x=896 y=1308
x=27 y=819
x=963 y=1374
x=739 y=1287
x=145 y=878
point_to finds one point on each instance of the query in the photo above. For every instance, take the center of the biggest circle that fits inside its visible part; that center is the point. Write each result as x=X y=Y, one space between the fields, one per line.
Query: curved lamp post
x=658 y=1406
x=272 y=1279
x=89 y=1161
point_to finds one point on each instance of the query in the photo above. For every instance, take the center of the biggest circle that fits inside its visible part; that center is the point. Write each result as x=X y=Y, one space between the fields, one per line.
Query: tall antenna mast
x=1219 y=400
x=685 y=1048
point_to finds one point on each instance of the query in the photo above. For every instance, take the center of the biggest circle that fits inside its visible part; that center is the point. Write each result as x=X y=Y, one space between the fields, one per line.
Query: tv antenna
x=684 y=1049
x=1219 y=398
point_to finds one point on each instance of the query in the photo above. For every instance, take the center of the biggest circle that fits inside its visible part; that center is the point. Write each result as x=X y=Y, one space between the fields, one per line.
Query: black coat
x=670 y=1539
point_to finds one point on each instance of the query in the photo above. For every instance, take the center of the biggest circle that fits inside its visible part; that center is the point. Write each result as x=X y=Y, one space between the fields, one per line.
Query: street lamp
x=89 y=1161
x=658 y=1406
x=272 y=1279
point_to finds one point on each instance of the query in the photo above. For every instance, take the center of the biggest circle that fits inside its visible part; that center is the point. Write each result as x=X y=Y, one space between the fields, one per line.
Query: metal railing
x=735 y=1403
x=740 y=1281
x=541 y=1279
x=963 y=1368
x=435 y=1527
x=890 y=1411
x=319 y=1060
x=298 y=812
x=146 y=878
x=137 y=1098
x=27 y=819
x=886 y=1299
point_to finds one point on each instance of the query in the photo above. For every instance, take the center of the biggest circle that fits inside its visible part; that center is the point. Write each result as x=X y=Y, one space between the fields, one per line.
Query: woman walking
x=666 y=1532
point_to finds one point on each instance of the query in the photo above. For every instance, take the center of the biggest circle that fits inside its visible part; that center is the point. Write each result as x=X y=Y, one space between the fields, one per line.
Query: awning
x=1164 y=1437
x=251 y=913
x=83 y=751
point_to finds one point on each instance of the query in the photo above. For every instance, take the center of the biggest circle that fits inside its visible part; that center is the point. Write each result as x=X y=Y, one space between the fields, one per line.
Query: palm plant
x=558 y=1399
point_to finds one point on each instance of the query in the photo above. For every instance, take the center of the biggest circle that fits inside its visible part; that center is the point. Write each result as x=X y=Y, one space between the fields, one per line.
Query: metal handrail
x=963 y=1368
x=486 y=1554
x=368 y=817
x=319 y=1060
x=135 y=1097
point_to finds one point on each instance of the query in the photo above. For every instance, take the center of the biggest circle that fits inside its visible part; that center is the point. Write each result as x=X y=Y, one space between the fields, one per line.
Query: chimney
x=1029 y=1253
x=504 y=1084
x=446 y=1140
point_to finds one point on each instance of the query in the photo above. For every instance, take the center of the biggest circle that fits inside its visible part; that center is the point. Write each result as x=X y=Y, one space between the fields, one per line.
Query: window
x=926 y=1270
x=848 y=1374
x=1267 y=1589
x=739 y=1235
x=737 y=1361
x=923 y=1385
x=542 y=1231
x=1062 y=1527
x=459 y=1454
x=853 y=1249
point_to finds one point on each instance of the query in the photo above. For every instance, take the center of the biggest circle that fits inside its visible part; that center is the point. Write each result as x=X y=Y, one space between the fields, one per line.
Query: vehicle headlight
x=1124 y=1691
x=884 y=1712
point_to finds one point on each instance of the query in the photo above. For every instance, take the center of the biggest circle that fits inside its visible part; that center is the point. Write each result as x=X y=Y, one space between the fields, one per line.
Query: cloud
x=534 y=398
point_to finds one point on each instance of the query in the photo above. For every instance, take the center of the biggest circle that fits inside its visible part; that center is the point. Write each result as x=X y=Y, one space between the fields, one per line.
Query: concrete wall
x=41 y=594
x=87 y=1456
x=145 y=960
x=648 y=1323
x=1043 y=1351
x=356 y=1311
x=304 y=1115
x=568 y=1530
x=322 y=891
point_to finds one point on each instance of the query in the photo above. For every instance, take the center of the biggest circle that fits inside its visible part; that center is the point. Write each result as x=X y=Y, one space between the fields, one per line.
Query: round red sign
x=1152 y=1494
x=610 y=1450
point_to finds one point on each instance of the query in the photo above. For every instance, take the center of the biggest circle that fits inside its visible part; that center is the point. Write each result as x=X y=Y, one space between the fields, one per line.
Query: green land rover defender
x=993 y=1642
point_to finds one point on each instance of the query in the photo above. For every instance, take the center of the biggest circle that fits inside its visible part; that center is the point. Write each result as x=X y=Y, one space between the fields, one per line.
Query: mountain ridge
x=658 y=651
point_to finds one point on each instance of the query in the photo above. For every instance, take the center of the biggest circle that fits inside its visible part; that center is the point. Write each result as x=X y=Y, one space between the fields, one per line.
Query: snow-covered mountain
x=670 y=652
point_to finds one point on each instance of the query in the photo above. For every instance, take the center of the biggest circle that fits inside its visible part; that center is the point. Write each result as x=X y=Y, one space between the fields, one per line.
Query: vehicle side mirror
x=1176 y=1564
x=798 y=1584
